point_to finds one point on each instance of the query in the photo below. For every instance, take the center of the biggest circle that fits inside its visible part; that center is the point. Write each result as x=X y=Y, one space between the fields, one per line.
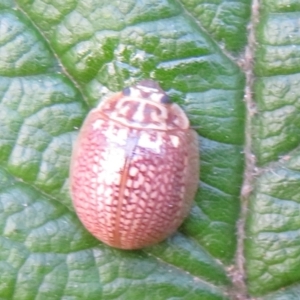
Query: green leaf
x=59 y=59
x=273 y=246
x=225 y=20
x=273 y=223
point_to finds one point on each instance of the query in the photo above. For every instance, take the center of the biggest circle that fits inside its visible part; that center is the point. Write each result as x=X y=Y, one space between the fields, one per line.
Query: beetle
x=134 y=168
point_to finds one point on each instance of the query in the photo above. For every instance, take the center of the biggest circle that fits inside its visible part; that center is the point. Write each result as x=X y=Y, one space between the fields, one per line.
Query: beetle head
x=145 y=105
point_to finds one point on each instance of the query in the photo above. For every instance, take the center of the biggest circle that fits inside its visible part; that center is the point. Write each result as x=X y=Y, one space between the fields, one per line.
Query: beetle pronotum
x=135 y=168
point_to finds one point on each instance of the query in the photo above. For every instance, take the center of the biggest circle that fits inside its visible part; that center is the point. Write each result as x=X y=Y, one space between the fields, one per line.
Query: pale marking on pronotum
x=156 y=97
x=139 y=115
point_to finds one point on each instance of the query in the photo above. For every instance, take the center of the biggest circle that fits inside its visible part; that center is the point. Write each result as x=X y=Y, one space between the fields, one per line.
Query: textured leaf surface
x=273 y=225
x=225 y=20
x=58 y=60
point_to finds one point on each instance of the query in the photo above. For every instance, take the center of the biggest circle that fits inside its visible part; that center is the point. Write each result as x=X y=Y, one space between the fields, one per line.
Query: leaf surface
x=59 y=59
